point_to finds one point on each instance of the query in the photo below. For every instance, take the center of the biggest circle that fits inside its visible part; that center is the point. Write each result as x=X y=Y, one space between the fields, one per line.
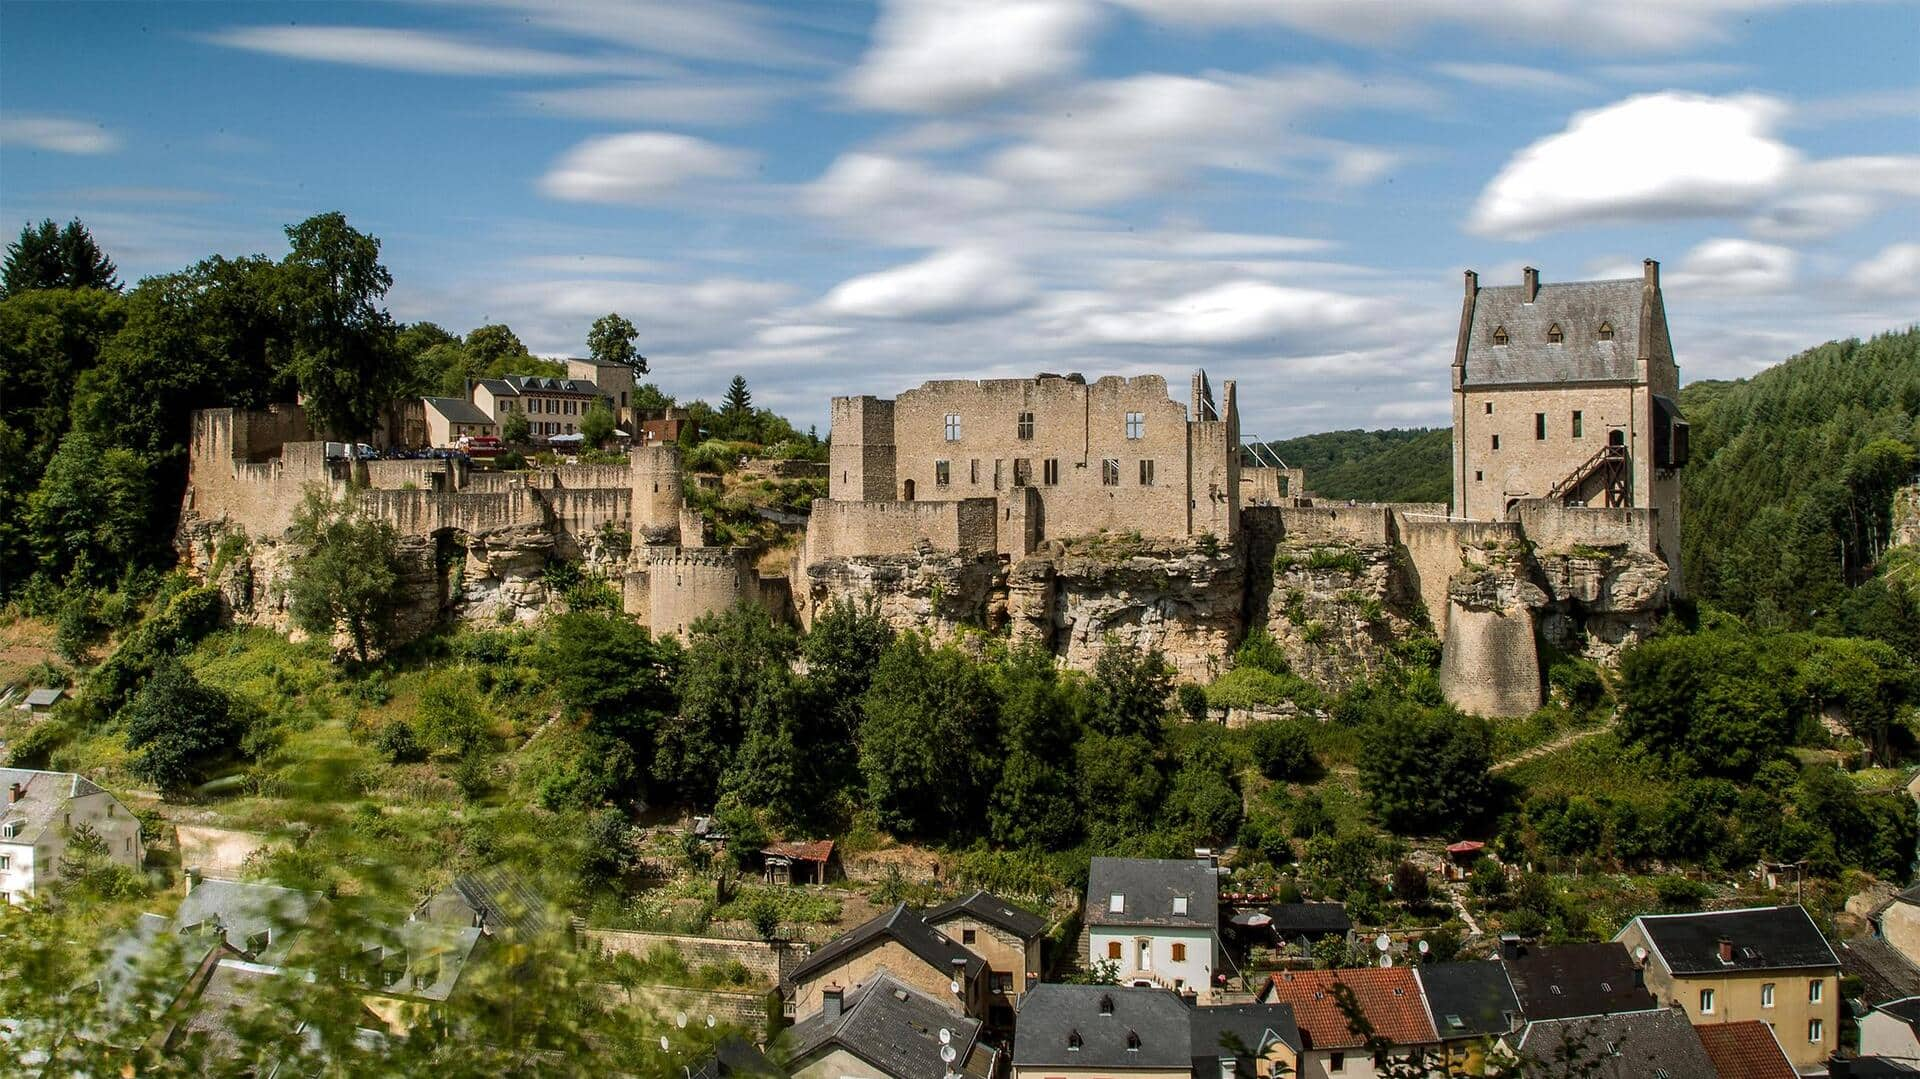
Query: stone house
x=449 y=419
x=888 y=1029
x=1389 y=998
x=553 y=406
x=1157 y=921
x=1095 y=1031
x=1007 y=937
x=615 y=382
x=41 y=813
x=1771 y=964
x=901 y=945
x=1566 y=392
x=1244 y=1041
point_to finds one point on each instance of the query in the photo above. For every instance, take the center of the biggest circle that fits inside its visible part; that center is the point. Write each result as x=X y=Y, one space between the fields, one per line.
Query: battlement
x=669 y=558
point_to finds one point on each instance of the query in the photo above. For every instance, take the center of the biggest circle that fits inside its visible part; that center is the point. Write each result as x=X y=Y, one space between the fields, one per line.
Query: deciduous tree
x=611 y=341
x=344 y=353
x=349 y=576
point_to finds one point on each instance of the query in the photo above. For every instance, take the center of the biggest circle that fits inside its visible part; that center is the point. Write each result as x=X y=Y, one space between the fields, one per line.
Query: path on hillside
x=1553 y=746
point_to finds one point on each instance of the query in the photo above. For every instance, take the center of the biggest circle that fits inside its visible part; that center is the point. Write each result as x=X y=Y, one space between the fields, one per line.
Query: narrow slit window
x=1539 y=427
x=1579 y=427
x=1496 y=442
x=973 y=470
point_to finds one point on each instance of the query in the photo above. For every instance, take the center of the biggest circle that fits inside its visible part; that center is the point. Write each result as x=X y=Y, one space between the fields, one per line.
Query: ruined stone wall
x=243 y=473
x=592 y=477
x=422 y=513
x=1271 y=486
x=860 y=455
x=1213 y=471
x=579 y=516
x=427 y=475
x=859 y=529
x=1435 y=548
x=1371 y=525
x=688 y=583
x=658 y=498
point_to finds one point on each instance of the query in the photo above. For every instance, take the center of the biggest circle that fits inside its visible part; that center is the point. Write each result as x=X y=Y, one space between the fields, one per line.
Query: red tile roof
x=812 y=850
x=1388 y=998
x=1745 y=1050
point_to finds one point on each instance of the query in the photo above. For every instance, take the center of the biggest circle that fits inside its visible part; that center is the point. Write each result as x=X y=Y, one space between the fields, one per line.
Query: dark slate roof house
x=1470 y=999
x=894 y=1029
x=904 y=927
x=992 y=910
x=457 y=410
x=731 y=1056
x=1601 y=324
x=1153 y=892
x=1758 y=938
x=1239 y=1034
x=1657 y=1044
x=496 y=900
x=1105 y=1027
x=1562 y=981
x=1885 y=974
x=1311 y=921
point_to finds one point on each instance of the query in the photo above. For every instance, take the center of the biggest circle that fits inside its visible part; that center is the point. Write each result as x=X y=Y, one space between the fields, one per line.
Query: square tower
x=861 y=455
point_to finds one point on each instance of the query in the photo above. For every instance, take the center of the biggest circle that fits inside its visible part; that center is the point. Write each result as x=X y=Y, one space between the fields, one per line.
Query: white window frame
x=1816 y=1031
x=1766 y=995
x=1816 y=990
x=952 y=427
x=1117 y=903
x=1136 y=425
x=1180 y=905
x=1706 y=1002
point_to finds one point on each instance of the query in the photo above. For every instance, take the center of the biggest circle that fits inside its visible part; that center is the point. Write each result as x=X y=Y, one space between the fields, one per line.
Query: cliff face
x=931 y=593
x=1336 y=611
x=1600 y=601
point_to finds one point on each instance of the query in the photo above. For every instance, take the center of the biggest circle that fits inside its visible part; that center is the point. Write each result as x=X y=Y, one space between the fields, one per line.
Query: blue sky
x=843 y=197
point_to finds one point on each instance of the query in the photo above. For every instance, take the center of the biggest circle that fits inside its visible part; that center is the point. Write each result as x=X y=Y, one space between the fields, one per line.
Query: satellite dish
x=948 y=1053
x=955 y=987
x=663 y=1043
x=680 y=1020
x=1383 y=942
x=1423 y=947
x=1386 y=961
x=709 y=1022
x=946 y=1036
x=1640 y=954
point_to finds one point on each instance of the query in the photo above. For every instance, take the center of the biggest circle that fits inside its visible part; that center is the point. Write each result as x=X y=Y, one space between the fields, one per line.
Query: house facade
x=450 y=419
x=887 y=1029
x=1770 y=964
x=615 y=382
x=1388 y=997
x=42 y=812
x=1005 y=936
x=1156 y=921
x=898 y=944
x=553 y=406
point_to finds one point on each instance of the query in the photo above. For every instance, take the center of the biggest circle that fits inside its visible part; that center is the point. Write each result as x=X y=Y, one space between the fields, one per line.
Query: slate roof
x=44 y=696
x=992 y=910
x=1907 y=1011
x=1150 y=886
x=1470 y=999
x=434 y=958
x=734 y=1055
x=1579 y=307
x=1764 y=938
x=1562 y=981
x=1873 y=1068
x=553 y=384
x=499 y=387
x=1292 y=920
x=239 y=910
x=1885 y=974
x=504 y=900
x=1242 y=1031
x=457 y=410
x=42 y=797
x=1051 y=1014
x=1745 y=1050
x=1388 y=997
x=893 y=1027
x=1656 y=1044
x=902 y=926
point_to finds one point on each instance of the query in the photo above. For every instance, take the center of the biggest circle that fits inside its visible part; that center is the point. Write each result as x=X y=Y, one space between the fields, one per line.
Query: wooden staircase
x=1609 y=466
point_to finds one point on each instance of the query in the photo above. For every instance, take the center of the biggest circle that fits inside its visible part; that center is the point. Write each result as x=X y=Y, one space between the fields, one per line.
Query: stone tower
x=656 y=495
x=861 y=457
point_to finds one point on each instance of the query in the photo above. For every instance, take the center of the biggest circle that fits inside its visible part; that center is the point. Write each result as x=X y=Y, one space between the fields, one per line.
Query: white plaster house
x=40 y=813
x=1157 y=921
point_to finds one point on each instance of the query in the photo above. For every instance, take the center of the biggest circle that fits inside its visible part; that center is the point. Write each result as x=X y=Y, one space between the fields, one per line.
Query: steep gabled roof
x=42 y=796
x=1562 y=981
x=499 y=387
x=895 y=1028
x=903 y=927
x=993 y=910
x=1103 y=1026
x=1148 y=887
x=1763 y=938
x=504 y=900
x=1885 y=974
x=1656 y=1044
x=457 y=410
x=1292 y=920
x=239 y=911
x=1389 y=998
x=1578 y=308
x=1241 y=1031
x=1469 y=999
x=1745 y=1050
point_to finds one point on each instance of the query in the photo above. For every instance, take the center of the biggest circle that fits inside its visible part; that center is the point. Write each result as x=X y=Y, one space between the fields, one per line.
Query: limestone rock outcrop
x=929 y=592
x=1183 y=598
x=1337 y=611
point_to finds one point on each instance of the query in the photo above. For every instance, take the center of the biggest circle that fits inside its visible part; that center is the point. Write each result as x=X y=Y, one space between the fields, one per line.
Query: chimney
x=193 y=878
x=1650 y=273
x=830 y=1004
x=1726 y=950
x=1530 y=282
x=1473 y=284
x=14 y=793
x=1511 y=946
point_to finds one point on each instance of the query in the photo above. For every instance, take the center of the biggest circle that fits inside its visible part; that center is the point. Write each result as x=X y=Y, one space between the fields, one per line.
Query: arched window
x=1499 y=335
x=1553 y=334
x=1606 y=331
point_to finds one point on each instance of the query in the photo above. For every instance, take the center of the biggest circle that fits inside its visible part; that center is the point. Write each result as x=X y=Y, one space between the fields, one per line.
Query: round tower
x=656 y=495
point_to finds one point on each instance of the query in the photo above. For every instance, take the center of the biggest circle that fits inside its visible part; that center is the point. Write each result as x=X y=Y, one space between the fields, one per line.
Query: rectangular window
x=1180 y=905
x=1337 y=1062
x=967 y=936
x=1136 y=425
x=940 y=474
x=1816 y=989
x=953 y=427
x=1110 y=472
x=1489 y=408
x=1496 y=442
x=1539 y=427
x=1116 y=904
x=6 y=863
x=1022 y=472
x=1113 y=949
x=1179 y=953
x=1002 y=982
x=1050 y=471
x=1579 y=428
x=1146 y=473
x=1706 y=1002
x=1766 y=995
x=973 y=470
x=1025 y=427
x=1816 y=1031
x=1478 y=475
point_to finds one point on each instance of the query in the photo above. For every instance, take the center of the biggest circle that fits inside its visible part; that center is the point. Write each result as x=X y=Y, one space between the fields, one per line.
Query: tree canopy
x=611 y=341
x=48 y=256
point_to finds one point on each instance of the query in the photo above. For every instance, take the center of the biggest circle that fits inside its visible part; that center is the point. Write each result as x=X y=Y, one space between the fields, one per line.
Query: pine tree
x=48 y=256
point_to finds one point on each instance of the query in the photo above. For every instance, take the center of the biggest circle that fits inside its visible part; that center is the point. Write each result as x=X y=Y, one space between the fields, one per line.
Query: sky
x=836 y=197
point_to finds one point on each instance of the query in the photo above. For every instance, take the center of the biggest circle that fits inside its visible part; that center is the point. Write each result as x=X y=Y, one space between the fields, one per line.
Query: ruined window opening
x=1539 y=427
x=1478 y=475
x=1022 y=472
x=1136 y=425
x=1496 y=442
x=1025 y=428
x=1579 y=428
x=941 y=474
x=973 y=470
x=997 y=463
x=1606 y=331
x=1499 y=335
x=1553 y=334
x=1110 y=472
x=1146 y=473
x=907 y=491
x=1616 y=438
x=1488 y=407
x=953 y=427
x=1050 y=471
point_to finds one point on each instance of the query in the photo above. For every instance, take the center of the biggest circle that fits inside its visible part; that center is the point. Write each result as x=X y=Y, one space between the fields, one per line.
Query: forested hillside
x=1398 y=465
x=1791 y=486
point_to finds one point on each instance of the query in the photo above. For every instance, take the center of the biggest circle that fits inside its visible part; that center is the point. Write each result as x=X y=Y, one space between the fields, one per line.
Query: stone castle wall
x=686 y=584
x=861 y=529
x=1556 y=526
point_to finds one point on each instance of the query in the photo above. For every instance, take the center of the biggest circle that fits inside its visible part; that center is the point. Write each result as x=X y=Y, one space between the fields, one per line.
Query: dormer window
x=1106 y=1004
x=1553 y=334
x=1116 y=904
x=1606 y=331
x=1499 y=335
x=1074 y=1041
x=1180 y=905
x=1133 y=1041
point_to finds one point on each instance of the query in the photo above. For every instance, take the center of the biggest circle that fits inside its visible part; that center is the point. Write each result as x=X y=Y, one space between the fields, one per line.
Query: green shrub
x=1336 y=558
x=1282 y=750
x=1261 y=652
x=395 y=742
x=34 y=748
x=1252 y=687
x=1193 y=702
x=451 y=720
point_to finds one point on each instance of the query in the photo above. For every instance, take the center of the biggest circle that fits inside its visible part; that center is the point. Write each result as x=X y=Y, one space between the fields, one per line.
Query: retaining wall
x=1555 y=526
x=768 y=962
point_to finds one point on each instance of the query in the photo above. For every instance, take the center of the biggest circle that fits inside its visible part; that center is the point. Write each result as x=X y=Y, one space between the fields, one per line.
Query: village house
x=615 y=383
x=887 y=1029
x=42 y=814
x=1566 y=981
x=1656 y=1044
x=900 y=944
x=1156 y=921
x=1471 y=1003
x=1096 y=1031
x=1766 y=963
x=1892 y=1030
x=450 y=419
x=553 y=406
x=810 y=861
x=1244 y=1041
x=1389 y=999
x=1301 y=925
x=1007 y=937
x=495 y=900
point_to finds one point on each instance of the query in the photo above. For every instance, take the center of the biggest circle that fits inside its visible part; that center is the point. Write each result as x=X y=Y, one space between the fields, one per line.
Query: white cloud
x=1515 y=77
x=1650 y=157
x=1894 y=272
x=676 y=101
x=725 y=30
x=944 y=285
x=406 y=50
x=57 y=134
x=1733 y=267
x=789 y=334
x=1887 y=174
x=1664 y=26
x=1234 y=313
x=553 y=315
x=1671 y=73
x=938 y=55
x=639 y=167
x=1811 y=217
x=608 y=265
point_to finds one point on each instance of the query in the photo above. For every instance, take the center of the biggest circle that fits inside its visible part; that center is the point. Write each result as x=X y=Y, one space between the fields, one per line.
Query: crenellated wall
x=688 y=583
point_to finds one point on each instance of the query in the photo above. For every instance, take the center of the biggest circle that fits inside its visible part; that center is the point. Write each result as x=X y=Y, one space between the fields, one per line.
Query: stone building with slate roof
x=1007 y=937
x=1766 y=963
x=900 y=944
x=887 y=1029
x=1244 y=1041
x=1157 y=921
x=1565 y=392
x=1657 y=1044
x=1088 y=1031
x=39 y=813
x=1566 y=981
